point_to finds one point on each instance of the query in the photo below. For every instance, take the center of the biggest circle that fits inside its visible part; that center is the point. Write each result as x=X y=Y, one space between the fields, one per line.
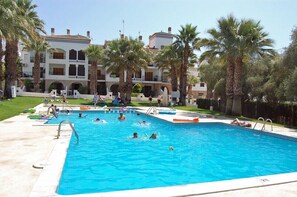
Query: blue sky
x=104 y=18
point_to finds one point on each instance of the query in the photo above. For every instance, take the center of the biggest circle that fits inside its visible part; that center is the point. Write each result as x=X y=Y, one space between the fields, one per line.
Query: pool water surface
x=107 y=159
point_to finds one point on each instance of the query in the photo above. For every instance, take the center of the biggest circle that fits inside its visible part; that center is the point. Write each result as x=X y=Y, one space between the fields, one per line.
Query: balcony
x=100 y=77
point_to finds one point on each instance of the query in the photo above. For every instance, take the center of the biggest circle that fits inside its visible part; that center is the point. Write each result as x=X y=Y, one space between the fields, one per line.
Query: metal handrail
x=260 y=118
x=267 y=120
x=75 y=133
x=150 y=109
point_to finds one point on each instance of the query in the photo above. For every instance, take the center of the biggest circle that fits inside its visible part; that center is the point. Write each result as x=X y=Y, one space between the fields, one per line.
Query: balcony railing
x=101 y=77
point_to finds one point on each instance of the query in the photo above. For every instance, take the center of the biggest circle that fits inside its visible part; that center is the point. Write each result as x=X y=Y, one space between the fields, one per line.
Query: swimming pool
x=106 y=159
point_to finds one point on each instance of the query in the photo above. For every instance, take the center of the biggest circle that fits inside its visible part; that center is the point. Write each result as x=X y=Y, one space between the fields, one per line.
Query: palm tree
x=235 y=43
x=137 y=57
x=167 y=59
x=187 y=40
x=221 y=45
x=24 y=24
x=38 y=46
x=7 y=17
x=250 y=42
x=95 y=55
x=114 y=60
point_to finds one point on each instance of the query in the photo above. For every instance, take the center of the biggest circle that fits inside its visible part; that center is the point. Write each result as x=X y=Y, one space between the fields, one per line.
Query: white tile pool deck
x=26 y=142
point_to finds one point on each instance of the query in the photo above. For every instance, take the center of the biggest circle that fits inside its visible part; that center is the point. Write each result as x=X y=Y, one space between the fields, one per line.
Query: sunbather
x=242 y=124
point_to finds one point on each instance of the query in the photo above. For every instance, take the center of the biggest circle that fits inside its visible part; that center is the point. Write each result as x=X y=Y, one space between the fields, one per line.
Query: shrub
x=137 y=88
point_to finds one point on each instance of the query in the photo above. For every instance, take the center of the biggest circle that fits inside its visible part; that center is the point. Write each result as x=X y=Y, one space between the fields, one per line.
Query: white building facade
x=66 y=67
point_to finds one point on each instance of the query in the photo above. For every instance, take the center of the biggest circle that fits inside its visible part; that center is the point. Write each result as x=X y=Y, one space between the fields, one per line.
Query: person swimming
x=80 y=115
x=135 y=135
x=142 y=122
x=153 y=136
x=122 y=116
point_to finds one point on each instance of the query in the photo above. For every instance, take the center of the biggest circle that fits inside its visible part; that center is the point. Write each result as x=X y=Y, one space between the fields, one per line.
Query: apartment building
x=66 y=67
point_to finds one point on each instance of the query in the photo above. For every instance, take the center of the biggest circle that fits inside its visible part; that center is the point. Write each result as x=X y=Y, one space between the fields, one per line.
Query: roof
x=161 y=34
x=68 y=38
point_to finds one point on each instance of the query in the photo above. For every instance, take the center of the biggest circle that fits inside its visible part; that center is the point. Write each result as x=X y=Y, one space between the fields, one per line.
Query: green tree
x=186 y=40
x=290 y=86
x=95 y=55
x=211 y=72
x=221 y=45
x=192 y=80
x=114 y=60
x=22 y=23
x=251 y=41
x=167 y=59
x=137 y=57
x=38 y=46
x=236 y=43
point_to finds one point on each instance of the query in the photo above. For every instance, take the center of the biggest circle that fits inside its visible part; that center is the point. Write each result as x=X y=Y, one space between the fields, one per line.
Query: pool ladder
x=264 y=123
x=152 y=108
x=75 y=133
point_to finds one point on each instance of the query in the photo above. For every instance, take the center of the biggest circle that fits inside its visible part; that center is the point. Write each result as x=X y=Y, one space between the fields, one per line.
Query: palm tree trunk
x=174 y=84
x=237 y=87
x=122 y=83
x=93 y=78
x=36 y=77
x=190 y=92
x=11 y=55
x=129 y=86
x=1 y=63
x=184 y=76
x=229 y=85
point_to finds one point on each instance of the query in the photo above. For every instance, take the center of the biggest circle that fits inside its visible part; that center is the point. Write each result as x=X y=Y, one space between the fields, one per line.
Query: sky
x=106 y=18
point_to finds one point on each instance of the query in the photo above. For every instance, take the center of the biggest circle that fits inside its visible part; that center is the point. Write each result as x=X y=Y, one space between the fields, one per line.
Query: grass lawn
x=15 y=106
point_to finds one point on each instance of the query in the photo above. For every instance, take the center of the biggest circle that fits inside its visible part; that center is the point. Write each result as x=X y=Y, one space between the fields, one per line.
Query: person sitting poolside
x=153 y=136
x=242 y=124
x=122 y=117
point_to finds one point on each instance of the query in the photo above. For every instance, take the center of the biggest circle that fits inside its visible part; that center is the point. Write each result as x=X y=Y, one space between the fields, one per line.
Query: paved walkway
x=26 y=142
x=23 y=142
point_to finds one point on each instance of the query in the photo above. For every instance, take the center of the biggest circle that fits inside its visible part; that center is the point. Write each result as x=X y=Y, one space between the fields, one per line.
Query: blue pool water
x=106 y=159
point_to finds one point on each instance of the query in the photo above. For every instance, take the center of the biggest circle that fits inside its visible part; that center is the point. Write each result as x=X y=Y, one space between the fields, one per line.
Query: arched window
x=72 y=54
x=81 y=55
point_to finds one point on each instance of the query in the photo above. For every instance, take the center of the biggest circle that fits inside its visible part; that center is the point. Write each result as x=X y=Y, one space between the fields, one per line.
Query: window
x=42 y=57
x=81 y=70
x=202 y=84
x=72 y=54
x=58 y=71
x=98 y=74
x=58 y=55
x=81 y=55
x=72 y=70
x=137 y=74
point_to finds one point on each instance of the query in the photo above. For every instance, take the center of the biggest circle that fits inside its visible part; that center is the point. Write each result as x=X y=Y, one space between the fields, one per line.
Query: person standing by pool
x=159 y=100
x=95 y=99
